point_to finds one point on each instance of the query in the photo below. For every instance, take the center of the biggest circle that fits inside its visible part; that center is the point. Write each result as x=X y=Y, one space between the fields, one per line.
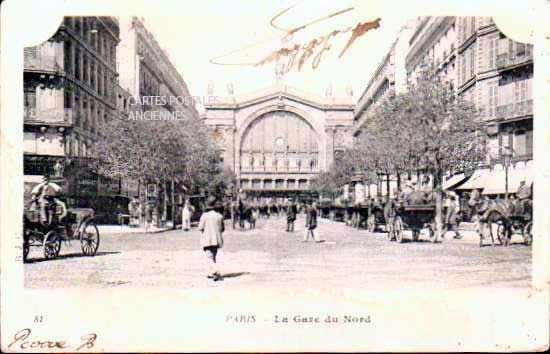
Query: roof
x=453 y=181
x=494 y=181
x=476 y=181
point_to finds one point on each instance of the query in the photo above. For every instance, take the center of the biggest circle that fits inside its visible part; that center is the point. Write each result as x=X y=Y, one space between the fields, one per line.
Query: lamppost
x=507 y=155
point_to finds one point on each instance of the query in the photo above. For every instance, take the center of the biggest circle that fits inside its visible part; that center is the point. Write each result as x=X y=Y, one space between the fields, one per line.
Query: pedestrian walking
x=451 y=215
x=134 y=207
x=186 y=213
x=311 y=224
x=149 y=215
x=291 y=212
x=212 y=227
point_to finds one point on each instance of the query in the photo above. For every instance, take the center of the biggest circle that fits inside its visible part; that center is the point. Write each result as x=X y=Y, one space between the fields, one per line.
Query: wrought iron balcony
x=513 y=110
x=35 y=115
x=35 y=61
x=509 y=60
x=500 y=160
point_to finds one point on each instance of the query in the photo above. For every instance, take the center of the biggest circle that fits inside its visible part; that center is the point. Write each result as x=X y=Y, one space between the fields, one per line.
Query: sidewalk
x=125 y=229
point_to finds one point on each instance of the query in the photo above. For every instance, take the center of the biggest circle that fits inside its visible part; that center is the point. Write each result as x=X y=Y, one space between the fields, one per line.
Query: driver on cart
x=524 y=195
x=44 y=196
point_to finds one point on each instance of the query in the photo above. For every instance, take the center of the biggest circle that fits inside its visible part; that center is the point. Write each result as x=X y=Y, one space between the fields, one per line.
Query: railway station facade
x=278 y=139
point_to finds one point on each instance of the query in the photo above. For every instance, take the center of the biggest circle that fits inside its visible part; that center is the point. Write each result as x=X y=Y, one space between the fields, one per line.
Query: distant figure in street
x=134 y=207
x=186 y=215
x=451 y=215
x=291 y=212
x=149 y=215
x=234 y=213
x=311 y=223
x=254 y=212
x=212 y=227
x=474 y=203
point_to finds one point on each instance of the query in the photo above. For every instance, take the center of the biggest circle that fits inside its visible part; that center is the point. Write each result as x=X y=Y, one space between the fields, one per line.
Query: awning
x=453 y=181
x=476 y=181
x=496 y=184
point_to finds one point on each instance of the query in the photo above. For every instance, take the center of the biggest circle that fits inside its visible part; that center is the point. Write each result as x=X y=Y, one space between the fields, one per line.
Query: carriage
x=369 y=214
x=78 y=224
x=518 y=224
x=515 y=222
x=338 y=212
x=414 y=217
x=325 y=206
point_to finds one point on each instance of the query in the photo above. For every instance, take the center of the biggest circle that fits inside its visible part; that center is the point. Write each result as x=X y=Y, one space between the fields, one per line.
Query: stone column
x=73 y=45
x=329 y=147
x=229 y=145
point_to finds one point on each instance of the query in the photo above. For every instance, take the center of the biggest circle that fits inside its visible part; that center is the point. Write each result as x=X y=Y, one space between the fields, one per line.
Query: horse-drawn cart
x=515 y=224
x=414 y=218
x=78 y=224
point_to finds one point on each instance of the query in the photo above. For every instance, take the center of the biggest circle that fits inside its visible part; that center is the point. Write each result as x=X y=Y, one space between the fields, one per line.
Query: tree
x=159 y=152
x=429 y=129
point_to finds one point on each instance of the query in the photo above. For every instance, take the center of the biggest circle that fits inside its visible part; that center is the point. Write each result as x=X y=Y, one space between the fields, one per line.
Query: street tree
x=166 y=153
x=429 y=128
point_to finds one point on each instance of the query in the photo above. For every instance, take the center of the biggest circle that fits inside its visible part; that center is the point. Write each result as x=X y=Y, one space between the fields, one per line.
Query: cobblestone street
x=270 y=257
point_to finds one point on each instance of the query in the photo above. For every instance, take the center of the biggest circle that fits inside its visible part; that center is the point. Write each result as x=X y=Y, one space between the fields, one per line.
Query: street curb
x=131 y=231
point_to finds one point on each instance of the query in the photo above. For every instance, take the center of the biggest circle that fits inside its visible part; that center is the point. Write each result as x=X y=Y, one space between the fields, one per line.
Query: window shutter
x=529 y=143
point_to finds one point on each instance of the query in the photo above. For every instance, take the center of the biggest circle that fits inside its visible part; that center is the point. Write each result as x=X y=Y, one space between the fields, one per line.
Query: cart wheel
x=389 y=229
x=527 y=233
x=501 y=234
x=371 y=223
x=26 y=249
x=52 y=244
x=398 y=229
x=89 y=239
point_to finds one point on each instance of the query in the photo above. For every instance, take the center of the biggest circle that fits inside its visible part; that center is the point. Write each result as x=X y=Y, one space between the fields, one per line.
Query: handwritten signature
x=308 y=48
x=23 y=340
x=298 y=54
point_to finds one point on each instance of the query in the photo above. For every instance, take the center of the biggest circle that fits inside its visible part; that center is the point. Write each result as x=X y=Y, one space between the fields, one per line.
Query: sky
x=194 y=32
x=192 y=36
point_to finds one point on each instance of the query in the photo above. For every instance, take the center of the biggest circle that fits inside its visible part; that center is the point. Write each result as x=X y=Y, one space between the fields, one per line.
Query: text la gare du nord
x=302 y=319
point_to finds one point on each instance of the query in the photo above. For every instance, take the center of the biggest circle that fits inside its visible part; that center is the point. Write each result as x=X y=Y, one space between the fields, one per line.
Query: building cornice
x=378 y=72
x=278 y=94
x=149 y=40
x=436 y=29
x=89 y=49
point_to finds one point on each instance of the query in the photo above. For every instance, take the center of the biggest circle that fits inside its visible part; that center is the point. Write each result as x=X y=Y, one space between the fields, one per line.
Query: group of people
x=142 y=213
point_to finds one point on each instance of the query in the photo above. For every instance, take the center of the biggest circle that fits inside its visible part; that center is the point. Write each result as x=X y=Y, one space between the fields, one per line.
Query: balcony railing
x=513 y=110
x=42 y=62
x=510 y=59
x=48 y=116
x=515 y=158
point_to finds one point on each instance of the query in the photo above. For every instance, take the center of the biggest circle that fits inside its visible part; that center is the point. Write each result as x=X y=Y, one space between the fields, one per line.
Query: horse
x=500 y=212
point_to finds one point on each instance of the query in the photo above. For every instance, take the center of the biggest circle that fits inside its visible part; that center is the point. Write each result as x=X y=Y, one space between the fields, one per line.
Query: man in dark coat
x=311 y=223
x=291 y=212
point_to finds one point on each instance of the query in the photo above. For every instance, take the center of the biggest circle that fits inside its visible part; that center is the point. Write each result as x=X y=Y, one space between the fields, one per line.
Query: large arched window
x=281 y=140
